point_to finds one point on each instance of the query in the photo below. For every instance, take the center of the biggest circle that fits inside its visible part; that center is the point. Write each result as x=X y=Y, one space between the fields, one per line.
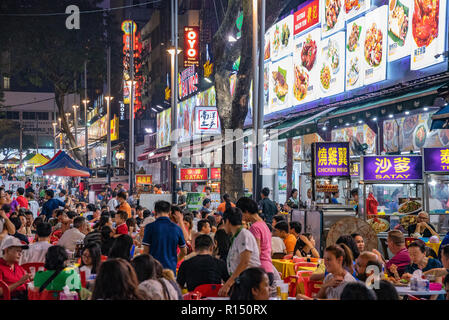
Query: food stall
x=395 y=183
x=330 y=167
x=436 y=177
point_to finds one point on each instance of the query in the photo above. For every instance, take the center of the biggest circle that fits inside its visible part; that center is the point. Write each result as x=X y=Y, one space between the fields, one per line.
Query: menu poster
x=281 y=80
x=332 y=65
x=305 y=67
x=333 y=16
x=266 y=86
x=267 y=44
x=355 y=7
x=282 y=38
x=355 y=38
x=306 y=17
x=163 y=128
x=375 y=45
x=428 y=32
x=399 y=29
x=184 y=119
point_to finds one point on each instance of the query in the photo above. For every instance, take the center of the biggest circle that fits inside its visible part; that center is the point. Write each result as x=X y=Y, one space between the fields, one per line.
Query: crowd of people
x=116 y=249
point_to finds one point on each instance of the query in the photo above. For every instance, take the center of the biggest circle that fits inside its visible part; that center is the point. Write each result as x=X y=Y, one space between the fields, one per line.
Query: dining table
x=406 y=290
x=433 y=245
x=286 y=267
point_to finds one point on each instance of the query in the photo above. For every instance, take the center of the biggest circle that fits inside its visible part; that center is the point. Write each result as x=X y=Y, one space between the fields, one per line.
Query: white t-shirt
x=70 y=237
x=34 y=207
x=335 y=293
x=112 y=204
x=244 y=241
x=35 y=253
x=277 y=245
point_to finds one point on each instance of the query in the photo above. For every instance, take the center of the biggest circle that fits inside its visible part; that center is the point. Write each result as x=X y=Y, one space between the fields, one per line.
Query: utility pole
x=75 y=118
x=256 y=165
x=108 y=119
x=131 y=113
x=86 y=101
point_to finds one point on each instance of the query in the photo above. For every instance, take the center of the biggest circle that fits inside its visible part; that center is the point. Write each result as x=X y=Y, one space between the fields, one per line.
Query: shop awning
x=159 y=155
x=63 y=165
x=144 y=156
x=440 y=119
x=413 y=99
x=37 y=160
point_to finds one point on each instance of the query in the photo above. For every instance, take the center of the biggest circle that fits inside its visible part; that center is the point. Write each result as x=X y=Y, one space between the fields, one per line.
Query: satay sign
x=194 y=174
x=191 y=46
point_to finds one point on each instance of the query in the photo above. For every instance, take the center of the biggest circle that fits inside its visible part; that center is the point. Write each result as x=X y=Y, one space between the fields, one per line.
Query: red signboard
x=194 y=174
x=306 y=16
x=215 y=173
x=144 y=179
x=191 y=46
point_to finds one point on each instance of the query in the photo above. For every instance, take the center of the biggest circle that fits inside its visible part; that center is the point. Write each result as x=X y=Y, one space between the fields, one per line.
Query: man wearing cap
x=10 y=272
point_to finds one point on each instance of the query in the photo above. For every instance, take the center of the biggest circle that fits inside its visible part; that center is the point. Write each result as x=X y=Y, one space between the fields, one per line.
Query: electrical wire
x=63 y=13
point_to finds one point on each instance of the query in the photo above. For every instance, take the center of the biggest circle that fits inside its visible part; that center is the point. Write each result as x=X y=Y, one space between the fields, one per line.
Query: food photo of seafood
x=325 y=76
x=425 y=21
x=353 y=41
x=354 y=71
x=351 y=4
x=373 y=45
x=333 y=55
x=281 y=39
x=280 y=88
x=333 y=16
x=280 y=82
x=331 y=71
x=398 y=22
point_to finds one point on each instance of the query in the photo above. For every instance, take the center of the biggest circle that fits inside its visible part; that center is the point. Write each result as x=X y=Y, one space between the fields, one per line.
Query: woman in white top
x=90 y=260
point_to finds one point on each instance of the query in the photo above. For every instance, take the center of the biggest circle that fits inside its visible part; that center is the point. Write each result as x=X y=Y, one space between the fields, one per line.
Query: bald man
x=423 y=226
x=364 y=260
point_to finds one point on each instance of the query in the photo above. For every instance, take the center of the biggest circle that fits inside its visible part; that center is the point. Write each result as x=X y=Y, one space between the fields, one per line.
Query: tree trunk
x=233 y=109
x=59 y=96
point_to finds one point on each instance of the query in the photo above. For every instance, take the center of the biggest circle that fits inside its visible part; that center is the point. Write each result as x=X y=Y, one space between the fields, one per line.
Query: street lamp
x=75 y=120
x=86 y=101
x=108 y=150
x=54 y=137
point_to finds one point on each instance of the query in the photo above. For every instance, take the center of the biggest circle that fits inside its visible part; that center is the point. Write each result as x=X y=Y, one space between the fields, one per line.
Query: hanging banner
x=163 y=128
x=207 y=120
x=392 y=168
x=306 y=17
x=191 y=46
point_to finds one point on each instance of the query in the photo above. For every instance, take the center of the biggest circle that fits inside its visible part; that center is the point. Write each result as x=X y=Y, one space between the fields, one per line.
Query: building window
x=42 y=115
x=6 y=83
x=14 y=115
x=28 y=115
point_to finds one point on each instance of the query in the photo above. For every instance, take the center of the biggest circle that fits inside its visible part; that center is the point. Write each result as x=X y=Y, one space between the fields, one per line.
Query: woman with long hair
x=252 y=284
x=151 y=279
x=121 y=248
x=117 y=280
x=90 y=259
x=106 y=240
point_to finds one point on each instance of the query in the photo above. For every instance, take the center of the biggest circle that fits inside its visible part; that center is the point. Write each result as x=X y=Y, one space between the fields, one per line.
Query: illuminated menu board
x=332 y=50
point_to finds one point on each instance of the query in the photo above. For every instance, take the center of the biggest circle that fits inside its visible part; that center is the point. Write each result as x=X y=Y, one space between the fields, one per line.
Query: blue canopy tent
x=64 y=166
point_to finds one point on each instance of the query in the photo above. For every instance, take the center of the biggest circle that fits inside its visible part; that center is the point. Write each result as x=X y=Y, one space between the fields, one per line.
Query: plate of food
x=332 y=11
x=333 y=55
x=398 y=22
x=301 y=82
x=410 y=207
x=373 y=45
x=425 y=21
x=308 y=53
x=406 y=221
x=325 y=76
x=354 y=37
x=354 y=71
x=351 y=4
x=280 y=85
x=420 y=136
x=276 y=42
x=379 y=225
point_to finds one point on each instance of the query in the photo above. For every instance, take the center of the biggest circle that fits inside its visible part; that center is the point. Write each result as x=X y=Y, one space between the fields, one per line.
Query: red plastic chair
x=208 y=290
x=296 y=260
x=304 y=264
x=192 y=296
x=34 y=294
x=304 y=273
x=411 y=297
x=292 y=283
x=83 y=278
x=288 y=257
x=6 y=293
x=311 y=287
x=33 y=267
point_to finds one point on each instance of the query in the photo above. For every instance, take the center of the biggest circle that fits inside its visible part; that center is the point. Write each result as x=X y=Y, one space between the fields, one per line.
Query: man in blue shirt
x=51 y=204
x=162 y=237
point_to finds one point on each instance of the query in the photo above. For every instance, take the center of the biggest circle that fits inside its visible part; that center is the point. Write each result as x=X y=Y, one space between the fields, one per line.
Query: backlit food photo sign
x=187 y=80
x=436 y=159
x=191 y=46
x=392 y=168
x=331 y=159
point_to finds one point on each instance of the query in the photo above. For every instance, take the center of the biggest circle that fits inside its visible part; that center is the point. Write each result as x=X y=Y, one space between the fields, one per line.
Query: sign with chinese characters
x=144 y=179
x=354 y=169
x=207 y=120
x=188 y=80
x=436 y=159
x=392 y=168
x=306 y=17
x=193 y=174
x=191 y=46
x=215 y=173
x=331 y=159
